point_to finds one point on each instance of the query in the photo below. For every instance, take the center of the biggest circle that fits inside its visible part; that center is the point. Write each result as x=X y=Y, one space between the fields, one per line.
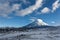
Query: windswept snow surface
x=33 y=34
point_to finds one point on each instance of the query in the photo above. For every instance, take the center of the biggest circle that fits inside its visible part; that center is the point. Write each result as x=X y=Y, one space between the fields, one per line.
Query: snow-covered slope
x=37 y=23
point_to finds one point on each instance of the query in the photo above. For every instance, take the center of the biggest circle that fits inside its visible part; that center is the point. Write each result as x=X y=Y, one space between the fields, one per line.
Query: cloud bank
x=45 y=10
x=6 y=9
x=30 y=9
x=55 y=5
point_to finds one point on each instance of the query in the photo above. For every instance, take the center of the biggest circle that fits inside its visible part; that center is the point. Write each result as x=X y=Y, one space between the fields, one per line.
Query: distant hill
x=37 y=24
x=34 y=25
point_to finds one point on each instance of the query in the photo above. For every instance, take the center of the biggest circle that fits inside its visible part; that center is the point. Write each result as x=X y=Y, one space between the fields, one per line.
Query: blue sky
x=17 y=13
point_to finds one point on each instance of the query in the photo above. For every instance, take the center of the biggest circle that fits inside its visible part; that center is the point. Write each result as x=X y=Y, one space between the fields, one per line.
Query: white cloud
x=4 y=9
x=41 y=22
x=32 y=20
x=53 y=22
x=16 y=7
x=55 y=5
x=30 y=9
x=45 y=10
x=25 y=2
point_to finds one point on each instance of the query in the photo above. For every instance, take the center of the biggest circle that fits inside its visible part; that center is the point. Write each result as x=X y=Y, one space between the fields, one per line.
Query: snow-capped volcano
x=37 y=23
x=40 y=22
